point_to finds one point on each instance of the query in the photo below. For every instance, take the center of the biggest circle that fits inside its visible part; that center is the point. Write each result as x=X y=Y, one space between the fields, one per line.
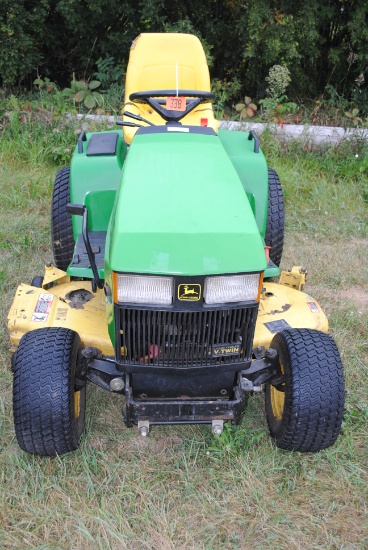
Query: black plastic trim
x=201 y=94
x=120 y=368
x=78 y=210
x=82 y=137
x=126 y=123
x=104 y=143
x=253 y=135
x=97 y=240
x=148 y=98
x=204 y=130
x=137 y=117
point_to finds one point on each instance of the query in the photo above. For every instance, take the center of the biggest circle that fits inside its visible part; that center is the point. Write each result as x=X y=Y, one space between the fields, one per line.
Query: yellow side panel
x=280 y=307
x=155 y=60
x=283 y=307
x=34 y=308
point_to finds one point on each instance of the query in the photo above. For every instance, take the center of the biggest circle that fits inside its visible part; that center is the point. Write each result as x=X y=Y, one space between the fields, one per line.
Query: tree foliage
x=321 y=43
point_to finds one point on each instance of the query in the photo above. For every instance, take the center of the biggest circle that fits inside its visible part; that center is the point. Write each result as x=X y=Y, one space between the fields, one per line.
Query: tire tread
x=61 y=222
x=275 y=218
x=42 y=396
x=314 y=408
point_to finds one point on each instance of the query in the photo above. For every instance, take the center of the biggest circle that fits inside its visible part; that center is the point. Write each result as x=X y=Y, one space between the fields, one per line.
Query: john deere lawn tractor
x=166 y=233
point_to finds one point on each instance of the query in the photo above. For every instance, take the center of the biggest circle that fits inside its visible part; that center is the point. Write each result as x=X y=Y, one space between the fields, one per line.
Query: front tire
x=305 y=413
x=49 y=409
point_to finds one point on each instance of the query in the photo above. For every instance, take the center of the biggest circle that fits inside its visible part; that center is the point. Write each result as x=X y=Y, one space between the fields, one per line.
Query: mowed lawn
x=181 y=488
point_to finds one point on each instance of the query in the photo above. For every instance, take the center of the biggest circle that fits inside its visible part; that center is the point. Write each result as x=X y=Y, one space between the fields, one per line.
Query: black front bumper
x=183 y=366
x=182 y=411
x=171 y=405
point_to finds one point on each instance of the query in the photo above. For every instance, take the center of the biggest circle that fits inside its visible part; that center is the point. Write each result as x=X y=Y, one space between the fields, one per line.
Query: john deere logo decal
x=189 y=292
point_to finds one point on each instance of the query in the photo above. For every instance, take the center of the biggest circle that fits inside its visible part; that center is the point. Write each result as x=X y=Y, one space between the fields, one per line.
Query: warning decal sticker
x=43 y=307
x=61 y=314
x=277 y=326
x=313 y=307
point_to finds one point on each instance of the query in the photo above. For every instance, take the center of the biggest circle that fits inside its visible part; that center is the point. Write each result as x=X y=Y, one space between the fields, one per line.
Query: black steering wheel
x=148 y=98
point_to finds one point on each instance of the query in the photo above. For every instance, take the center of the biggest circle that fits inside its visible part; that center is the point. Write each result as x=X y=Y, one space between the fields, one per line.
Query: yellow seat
x=155 y=60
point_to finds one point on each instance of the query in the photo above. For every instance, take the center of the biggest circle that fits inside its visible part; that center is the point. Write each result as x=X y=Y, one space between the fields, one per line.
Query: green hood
x=181 y=209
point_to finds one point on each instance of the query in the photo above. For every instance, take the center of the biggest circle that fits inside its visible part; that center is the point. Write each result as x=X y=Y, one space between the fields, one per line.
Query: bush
x=319 y=43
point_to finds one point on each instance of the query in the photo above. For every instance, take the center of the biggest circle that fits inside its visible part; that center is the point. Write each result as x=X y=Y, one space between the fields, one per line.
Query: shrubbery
x=321 y=43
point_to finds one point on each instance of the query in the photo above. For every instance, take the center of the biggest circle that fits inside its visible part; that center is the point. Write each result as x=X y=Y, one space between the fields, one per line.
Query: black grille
x=184 y=339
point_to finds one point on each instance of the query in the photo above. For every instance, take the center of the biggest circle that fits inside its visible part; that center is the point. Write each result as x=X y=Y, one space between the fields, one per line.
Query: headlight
x=139 y=289
x=237 y=288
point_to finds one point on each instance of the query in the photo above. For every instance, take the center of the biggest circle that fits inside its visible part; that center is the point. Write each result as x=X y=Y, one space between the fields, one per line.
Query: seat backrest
x=156 y=62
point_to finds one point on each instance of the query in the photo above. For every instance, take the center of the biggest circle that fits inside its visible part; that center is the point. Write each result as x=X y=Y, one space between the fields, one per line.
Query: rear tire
x=61 y=221
x=49 y=409
x=275 y=218
x=307 y=415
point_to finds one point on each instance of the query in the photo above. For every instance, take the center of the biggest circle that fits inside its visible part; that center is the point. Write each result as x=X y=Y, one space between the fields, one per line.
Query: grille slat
x=183 y=339
x=175 y=341
x=210 y=335
x=191 y=348
x=154 y=322
x=218 y=327
x=136 y=324
x=202 y=337
x=165 y=326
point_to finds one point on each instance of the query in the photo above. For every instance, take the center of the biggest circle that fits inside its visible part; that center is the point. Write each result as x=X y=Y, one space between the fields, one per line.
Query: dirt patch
x=361 y=243
x=355 y=295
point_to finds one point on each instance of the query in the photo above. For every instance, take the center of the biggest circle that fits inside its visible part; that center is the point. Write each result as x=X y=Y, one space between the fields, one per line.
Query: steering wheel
x=149 y=98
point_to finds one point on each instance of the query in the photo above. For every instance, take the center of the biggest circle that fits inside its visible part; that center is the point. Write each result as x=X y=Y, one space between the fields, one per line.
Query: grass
x=181 y=488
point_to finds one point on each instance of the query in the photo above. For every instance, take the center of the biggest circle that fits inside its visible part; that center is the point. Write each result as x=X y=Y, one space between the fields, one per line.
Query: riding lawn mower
x=167 y=238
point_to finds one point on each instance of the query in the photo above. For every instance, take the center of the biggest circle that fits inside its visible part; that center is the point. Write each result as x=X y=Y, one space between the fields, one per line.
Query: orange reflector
x=260 y=286
x=267 y=252
x=204 y=121
x=115 y=286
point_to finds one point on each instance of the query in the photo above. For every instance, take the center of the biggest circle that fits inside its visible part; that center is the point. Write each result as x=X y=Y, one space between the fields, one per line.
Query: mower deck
x=72 y=304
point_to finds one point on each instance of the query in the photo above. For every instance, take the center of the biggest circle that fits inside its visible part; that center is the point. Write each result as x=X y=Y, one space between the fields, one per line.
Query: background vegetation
x=181 y=488
x=323 y=44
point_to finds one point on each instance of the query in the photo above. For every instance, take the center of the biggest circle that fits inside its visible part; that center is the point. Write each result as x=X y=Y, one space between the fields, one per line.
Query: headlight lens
x=139 y=289
x=237 y=288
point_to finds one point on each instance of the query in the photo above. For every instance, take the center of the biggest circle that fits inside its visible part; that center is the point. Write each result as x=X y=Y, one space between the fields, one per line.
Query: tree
x=321 y=43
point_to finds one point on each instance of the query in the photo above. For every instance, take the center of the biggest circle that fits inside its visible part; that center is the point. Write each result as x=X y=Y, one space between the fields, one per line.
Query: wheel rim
x=278 y=399
x=77 y=403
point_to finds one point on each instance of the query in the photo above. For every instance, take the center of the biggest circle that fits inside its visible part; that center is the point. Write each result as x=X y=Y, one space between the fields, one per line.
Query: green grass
x=181 y=488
